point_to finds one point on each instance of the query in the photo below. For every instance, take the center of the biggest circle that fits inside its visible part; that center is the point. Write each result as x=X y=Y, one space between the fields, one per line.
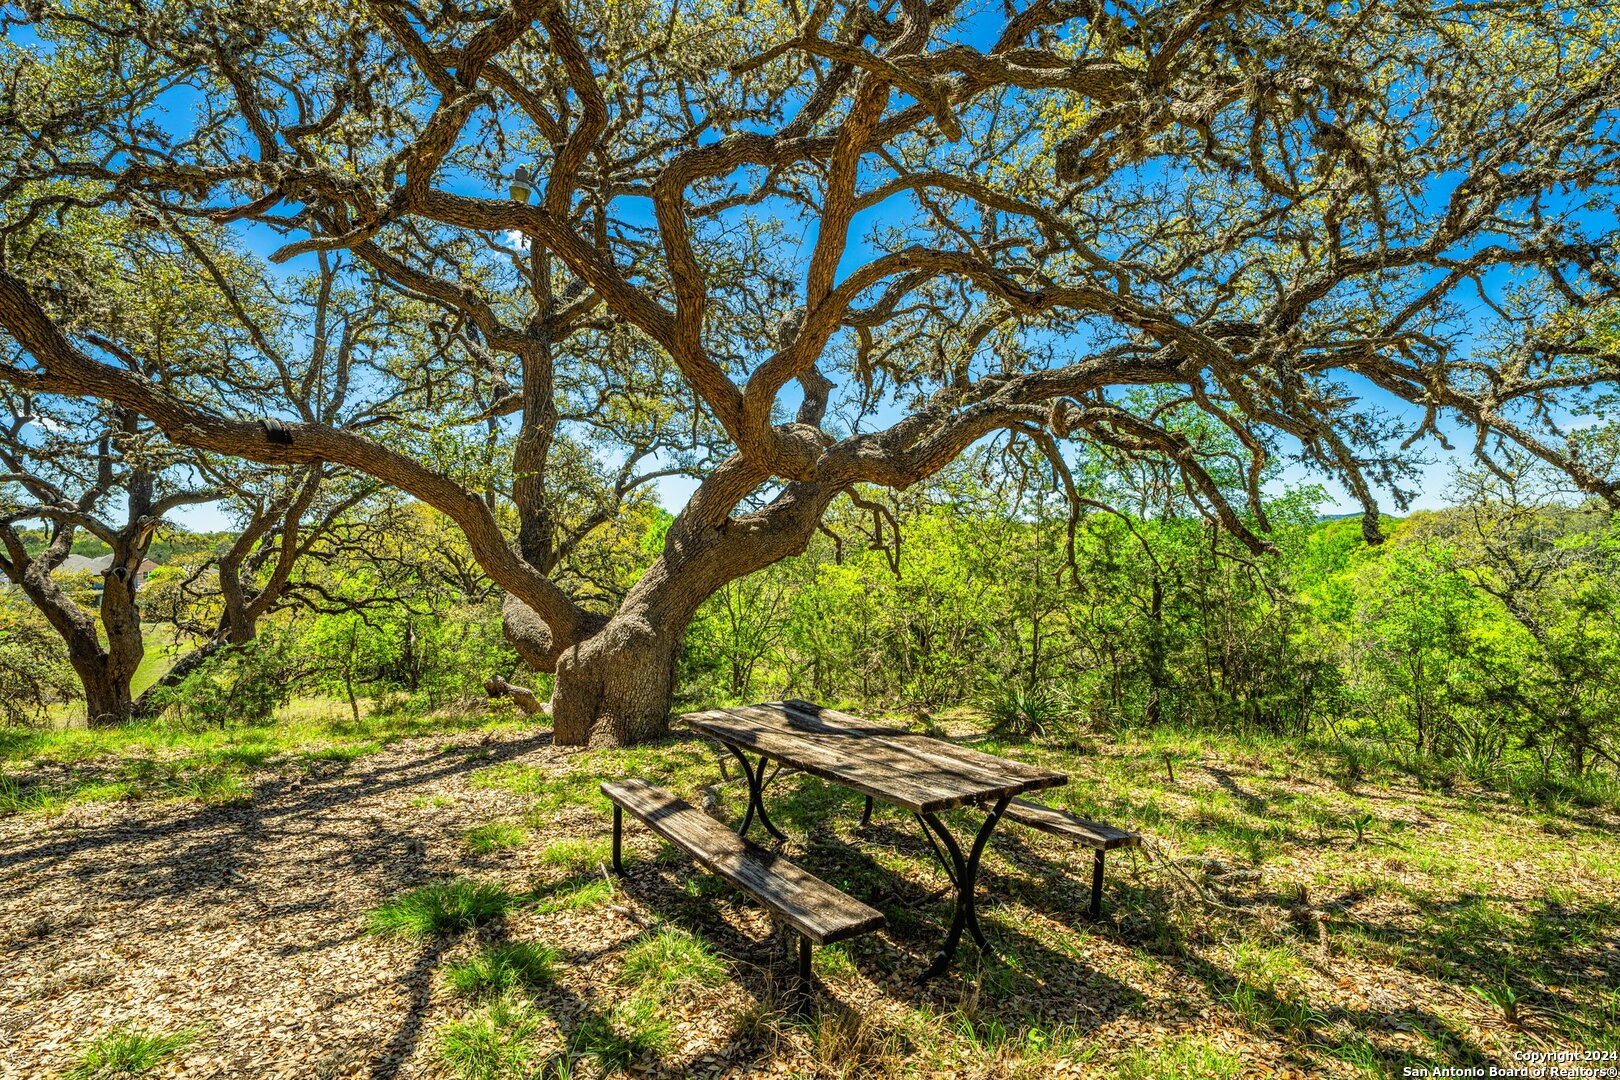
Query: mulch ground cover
x=245 y=924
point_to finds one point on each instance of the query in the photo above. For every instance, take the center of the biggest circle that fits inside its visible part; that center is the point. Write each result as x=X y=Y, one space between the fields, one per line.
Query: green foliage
x=239 y=684
x=34 y=669
x=575 y=854
x=16 y=799
x=495 y=1044
x=504 y=966
x=1504 y=998
x=1474 y=643
x=586 y=894
x=1014 y=709
x=633 y=1028
x=496 y=836
x=126 y=1052
x=166 y=759
x=446 y=907
x=1181 y=1059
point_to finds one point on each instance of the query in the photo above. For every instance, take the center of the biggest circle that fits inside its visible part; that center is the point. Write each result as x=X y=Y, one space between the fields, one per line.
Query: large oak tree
x=789 y=251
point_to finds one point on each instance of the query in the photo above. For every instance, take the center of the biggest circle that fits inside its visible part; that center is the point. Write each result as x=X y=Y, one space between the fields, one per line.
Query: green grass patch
x=511 y=776
x=167 y=758
x=446 y=907
x=586 y=894
x=1190 y=1058
x=671 y=958
x=125 y=781
x=549 y=791
x=18 y=798
x=509 y=965
x=125 y=1052
x=580 y=854
x=496 y=836
x=833 y=962
x=634 y=1028
x=496 y=1044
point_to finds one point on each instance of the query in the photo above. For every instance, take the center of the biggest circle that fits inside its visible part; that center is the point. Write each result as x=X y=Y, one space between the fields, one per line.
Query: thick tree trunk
x=614 y=688
x=615 y=677
x=107 y=696
x=104 y=672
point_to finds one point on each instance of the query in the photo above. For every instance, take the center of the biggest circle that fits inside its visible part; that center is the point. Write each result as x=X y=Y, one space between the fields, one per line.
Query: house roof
x=78 y=564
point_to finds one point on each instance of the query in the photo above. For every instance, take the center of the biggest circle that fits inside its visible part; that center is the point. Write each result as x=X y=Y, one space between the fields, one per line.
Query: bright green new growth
x=632 y=1029
x=493 y=1045
x=575 y=854
x=443 y=908
x=578 y=897
x=510 y=965
x=670 y=958
x=496 y=836
x=126 y=1052
x=1182 y=1059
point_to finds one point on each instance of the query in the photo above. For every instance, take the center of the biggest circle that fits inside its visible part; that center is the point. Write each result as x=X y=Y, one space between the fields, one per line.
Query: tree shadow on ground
x=1252 y=803
x=920 y=904
x=204 y=857
x=275 y=799
x=416 y=986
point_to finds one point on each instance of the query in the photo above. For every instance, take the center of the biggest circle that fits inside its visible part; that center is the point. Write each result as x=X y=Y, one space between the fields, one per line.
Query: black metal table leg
x=964 y=873
x=618 y=832
x=1096 y=885
x=866 y=811
x=756 y=787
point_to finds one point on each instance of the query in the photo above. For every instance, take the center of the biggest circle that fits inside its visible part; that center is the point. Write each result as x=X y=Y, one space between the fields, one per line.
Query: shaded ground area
x=1290 y=916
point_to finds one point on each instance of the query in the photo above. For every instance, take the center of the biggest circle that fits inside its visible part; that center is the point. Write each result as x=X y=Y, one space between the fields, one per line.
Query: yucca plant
x=1016 y=709
x=1506 y=1001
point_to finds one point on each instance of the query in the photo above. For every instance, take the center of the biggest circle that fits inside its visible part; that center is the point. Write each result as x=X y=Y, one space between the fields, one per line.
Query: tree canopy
x=798 y=253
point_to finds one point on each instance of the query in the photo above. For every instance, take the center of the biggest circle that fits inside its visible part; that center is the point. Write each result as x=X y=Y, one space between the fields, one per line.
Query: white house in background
x=78 y=564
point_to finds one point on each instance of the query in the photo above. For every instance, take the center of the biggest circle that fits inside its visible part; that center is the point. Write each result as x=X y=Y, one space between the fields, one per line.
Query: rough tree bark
x=614 y=684
x=105 y=671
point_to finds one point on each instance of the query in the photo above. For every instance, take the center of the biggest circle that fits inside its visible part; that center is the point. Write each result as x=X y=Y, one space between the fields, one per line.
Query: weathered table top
x=921 y=774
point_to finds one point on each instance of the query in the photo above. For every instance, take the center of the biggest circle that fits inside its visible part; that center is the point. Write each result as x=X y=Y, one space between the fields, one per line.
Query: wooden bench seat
x=820 y=913
x=1101 y=837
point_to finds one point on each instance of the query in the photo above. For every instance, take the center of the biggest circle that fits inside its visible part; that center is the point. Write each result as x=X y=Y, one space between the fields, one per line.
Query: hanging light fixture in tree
x=521 y=185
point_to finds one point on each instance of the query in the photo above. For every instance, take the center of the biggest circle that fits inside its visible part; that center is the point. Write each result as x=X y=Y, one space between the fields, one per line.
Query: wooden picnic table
x=915 y=772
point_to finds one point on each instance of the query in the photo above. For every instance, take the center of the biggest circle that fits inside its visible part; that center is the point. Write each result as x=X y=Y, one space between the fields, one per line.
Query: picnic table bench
x=1102 y=838
x=819 y=912
x=920 y=774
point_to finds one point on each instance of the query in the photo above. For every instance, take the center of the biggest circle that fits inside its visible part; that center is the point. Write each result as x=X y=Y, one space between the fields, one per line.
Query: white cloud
x=517 y=239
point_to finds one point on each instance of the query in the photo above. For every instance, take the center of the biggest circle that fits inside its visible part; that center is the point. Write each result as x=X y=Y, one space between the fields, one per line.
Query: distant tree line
x=1485 y=635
